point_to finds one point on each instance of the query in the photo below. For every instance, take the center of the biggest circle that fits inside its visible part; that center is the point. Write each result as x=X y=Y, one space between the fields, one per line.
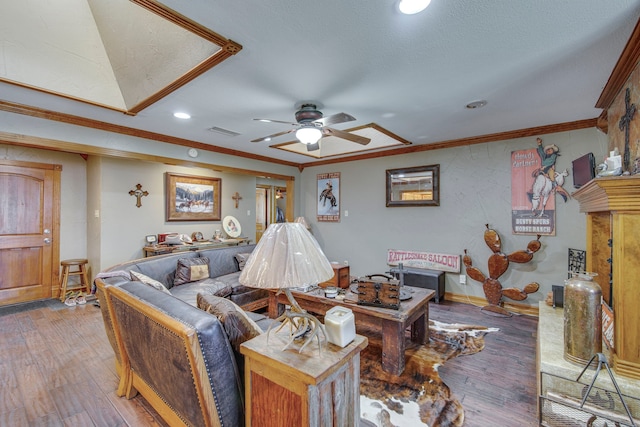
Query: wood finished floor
x=57 y=369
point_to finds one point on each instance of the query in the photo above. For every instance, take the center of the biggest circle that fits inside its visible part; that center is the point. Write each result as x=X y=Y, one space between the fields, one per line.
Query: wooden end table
x=287 y=388
x=413 y=313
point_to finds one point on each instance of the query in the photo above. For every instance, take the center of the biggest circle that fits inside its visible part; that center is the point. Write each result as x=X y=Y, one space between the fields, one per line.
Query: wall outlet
x=463 y=279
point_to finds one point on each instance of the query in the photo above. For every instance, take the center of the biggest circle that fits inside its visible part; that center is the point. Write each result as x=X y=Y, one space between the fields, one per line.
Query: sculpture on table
x=498 y=263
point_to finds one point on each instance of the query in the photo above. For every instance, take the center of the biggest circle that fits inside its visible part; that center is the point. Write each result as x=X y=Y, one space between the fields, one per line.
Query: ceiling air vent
x=222 y=131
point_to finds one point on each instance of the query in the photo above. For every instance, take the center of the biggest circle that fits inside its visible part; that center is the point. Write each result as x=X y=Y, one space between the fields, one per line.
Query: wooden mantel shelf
x=612 y=193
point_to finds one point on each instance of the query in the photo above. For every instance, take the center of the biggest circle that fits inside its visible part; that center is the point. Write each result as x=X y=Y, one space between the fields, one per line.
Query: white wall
x=475 y=189
x=124 y=226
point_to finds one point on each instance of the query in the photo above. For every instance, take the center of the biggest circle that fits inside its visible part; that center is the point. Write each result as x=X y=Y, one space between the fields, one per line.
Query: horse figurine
x=543 y=187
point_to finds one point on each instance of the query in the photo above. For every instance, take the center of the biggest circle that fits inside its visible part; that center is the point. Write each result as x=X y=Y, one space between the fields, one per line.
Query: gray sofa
x=182 y=359
x=224 y=272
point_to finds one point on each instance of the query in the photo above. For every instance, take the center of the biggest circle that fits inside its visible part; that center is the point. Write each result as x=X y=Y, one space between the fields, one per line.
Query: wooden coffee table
x=391 y=323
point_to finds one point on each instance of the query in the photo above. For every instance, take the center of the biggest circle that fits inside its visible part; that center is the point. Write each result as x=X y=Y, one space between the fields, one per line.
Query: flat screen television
x=584 y=170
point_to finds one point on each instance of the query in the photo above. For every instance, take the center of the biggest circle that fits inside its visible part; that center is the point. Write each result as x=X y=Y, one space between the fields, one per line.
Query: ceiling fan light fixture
x=476 y=104
x=309 y=134
x=411 y=7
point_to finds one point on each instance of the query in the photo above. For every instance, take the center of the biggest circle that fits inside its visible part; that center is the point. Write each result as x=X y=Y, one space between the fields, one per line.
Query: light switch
x=346 y=213
x=96 y=213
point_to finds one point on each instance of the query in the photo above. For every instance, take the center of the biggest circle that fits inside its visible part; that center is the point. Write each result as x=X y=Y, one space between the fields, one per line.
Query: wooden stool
x=66 y=272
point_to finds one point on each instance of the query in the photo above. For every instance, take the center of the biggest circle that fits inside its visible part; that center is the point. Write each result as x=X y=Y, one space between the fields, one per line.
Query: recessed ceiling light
x=182 y=115
x=476 y=104
x=410 y=7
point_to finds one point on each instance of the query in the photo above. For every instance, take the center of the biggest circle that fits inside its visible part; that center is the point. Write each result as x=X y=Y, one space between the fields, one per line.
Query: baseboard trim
x=525 y=309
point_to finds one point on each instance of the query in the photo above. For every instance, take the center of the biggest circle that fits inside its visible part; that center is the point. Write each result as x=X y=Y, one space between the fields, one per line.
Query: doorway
x=271 y=206
x=29 y=231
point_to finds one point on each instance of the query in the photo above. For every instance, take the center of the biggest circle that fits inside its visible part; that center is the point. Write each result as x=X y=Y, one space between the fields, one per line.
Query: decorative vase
x=582 y=318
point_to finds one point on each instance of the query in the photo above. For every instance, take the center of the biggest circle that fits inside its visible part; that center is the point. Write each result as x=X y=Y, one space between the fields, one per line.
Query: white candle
x=340 y=325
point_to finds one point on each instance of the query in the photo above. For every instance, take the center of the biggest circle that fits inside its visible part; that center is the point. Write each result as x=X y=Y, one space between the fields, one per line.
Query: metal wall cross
x=625 y=124
x=236 y=197
x=138 y=193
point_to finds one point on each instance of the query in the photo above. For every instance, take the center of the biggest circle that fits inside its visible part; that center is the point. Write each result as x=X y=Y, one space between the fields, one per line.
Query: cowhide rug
x=418 y=397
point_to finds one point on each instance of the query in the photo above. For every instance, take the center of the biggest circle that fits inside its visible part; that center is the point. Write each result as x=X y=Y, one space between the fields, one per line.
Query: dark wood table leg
x=393 y=346
x=275 y=308
x=420 y=327
x=420 y=330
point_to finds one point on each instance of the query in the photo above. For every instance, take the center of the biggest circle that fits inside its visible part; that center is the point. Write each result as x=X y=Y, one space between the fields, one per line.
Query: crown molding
x=627 y=62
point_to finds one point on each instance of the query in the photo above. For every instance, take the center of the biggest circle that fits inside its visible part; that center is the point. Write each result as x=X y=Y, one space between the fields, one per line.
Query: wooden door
x=29 y=231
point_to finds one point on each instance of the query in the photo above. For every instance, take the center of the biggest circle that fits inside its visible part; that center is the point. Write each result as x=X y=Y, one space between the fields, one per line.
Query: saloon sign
x=428 y=260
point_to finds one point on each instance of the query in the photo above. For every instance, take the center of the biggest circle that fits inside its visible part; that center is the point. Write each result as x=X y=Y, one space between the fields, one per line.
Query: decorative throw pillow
x=238 y=326
x=149 y=281
x=242 y=259
x=191 y=270
x=216 y=288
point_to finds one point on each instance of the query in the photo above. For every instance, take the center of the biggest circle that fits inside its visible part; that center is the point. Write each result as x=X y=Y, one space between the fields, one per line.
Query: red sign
x=533 y=205
x=607 y=326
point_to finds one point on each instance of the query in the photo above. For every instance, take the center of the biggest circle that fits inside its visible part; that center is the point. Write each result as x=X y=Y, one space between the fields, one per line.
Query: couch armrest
x=177 y=356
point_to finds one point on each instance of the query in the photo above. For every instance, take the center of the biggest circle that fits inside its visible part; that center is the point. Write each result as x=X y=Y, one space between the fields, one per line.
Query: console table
x=167 y=249
x=308 y=389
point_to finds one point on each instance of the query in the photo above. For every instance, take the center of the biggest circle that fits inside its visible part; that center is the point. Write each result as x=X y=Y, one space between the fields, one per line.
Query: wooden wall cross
x=138 y=193
x=236 y=197
x=625 y=124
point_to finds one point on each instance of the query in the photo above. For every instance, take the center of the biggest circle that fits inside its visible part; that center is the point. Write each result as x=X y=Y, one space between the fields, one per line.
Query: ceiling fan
x=312 y=126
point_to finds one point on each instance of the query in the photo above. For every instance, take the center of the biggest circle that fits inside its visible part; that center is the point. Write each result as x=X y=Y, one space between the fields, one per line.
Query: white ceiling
x=535 y=62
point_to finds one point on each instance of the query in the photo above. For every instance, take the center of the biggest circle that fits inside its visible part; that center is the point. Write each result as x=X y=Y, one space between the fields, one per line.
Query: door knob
x=47 y=240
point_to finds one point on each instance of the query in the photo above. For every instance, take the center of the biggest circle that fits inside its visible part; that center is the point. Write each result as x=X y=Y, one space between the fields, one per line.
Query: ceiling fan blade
x=335 y=119
x=346 y=135
x=313 y=147
x=276 y=121
x=270 y=137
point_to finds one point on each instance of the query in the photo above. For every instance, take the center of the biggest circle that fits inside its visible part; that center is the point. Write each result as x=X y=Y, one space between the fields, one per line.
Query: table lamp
x=302 y=220
x=288 y=256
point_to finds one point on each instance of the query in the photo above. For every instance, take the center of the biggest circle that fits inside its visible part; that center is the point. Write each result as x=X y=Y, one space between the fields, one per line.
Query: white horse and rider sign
x=534 y=184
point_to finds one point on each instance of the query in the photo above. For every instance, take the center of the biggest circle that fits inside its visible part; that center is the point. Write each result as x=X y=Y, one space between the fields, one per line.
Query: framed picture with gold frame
x=192 y=198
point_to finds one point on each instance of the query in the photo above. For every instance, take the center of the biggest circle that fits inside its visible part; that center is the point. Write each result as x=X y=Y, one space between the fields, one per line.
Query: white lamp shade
x=308 y=134
x=287 y=256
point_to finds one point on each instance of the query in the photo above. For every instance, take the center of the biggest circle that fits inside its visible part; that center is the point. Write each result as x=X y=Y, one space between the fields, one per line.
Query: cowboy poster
x=328 y=197
x=534 y=184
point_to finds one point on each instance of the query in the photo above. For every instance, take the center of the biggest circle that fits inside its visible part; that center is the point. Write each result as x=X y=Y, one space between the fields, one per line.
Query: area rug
x=417 y=397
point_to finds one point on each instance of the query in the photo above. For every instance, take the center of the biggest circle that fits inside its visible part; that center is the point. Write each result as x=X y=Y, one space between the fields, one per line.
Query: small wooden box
x=340 y=277
x=379 y=292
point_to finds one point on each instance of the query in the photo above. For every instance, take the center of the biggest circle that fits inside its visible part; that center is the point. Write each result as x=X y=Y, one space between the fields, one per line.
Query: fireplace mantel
x=609 y=194
x=612 y=205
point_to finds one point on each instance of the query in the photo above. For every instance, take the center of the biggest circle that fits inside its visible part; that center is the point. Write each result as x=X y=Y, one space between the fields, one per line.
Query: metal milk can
x=582 y=318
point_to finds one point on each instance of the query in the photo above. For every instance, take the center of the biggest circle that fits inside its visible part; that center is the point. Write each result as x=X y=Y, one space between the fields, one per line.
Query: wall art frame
x=414 y=186
x=192 y=198
x=328 y=197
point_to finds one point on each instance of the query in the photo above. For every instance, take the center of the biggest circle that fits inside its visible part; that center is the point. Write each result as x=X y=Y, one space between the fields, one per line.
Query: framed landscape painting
x=192 y=198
